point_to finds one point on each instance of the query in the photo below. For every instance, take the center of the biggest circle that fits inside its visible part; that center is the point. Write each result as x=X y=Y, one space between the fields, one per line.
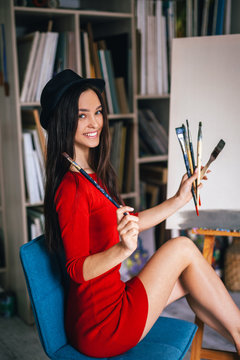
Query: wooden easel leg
x=197 y=341
x=208 y=247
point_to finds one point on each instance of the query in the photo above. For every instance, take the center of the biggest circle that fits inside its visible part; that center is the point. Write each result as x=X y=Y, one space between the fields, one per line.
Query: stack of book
x=158 y=22
x=36 y=222
x=153 y=138
x=33 y=156
x=40 y=56
x=122 y=153
x=108 y=59
x=153 y=188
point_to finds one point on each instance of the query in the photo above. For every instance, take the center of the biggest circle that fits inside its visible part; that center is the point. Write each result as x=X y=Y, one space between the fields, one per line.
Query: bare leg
x=180 y=259
x=179 y=291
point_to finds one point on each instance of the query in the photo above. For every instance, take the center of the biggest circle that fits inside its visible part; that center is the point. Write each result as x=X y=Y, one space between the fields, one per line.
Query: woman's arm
x=97 y=264
x=155 y=215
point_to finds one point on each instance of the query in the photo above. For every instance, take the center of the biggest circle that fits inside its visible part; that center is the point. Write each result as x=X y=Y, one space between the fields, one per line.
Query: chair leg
x=197 y=341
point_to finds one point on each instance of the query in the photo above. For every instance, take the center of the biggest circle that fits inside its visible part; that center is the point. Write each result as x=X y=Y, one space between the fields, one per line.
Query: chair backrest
x=46 y=279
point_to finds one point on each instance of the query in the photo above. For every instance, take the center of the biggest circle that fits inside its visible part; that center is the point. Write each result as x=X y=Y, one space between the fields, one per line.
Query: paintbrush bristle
x=218 y=149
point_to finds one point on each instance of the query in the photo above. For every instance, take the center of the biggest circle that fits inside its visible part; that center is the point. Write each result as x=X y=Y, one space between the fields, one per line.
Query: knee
x=184 y=245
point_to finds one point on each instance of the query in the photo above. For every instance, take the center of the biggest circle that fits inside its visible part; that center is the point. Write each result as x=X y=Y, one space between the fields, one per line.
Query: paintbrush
x=191 y=156
x=213 y=156
x=199 y=158
x=85 y=174
x=180 y=136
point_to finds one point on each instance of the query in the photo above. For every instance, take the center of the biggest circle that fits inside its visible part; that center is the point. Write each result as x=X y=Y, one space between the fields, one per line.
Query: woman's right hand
x=128 y=229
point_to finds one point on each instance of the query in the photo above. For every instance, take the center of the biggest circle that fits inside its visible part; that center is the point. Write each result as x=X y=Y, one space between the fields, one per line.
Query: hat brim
x=98 y=83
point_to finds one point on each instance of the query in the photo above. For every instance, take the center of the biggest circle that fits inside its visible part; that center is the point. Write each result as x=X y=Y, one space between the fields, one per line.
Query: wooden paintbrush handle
x=203 y=171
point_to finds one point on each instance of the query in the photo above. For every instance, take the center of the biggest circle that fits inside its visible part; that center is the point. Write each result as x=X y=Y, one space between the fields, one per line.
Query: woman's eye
x=81 y=116
x=99 y=112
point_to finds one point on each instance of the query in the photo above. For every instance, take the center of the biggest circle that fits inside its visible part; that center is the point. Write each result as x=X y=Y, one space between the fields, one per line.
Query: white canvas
x=206 y=87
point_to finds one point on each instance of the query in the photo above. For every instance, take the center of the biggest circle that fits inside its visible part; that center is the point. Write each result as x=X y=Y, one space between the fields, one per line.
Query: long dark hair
x=61 y=132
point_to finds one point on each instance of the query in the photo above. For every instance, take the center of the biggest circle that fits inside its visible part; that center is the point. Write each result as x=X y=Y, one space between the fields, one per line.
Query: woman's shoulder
x=71 y=183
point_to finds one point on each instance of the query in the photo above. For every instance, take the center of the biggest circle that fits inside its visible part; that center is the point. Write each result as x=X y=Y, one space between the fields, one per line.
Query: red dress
x=104 y=316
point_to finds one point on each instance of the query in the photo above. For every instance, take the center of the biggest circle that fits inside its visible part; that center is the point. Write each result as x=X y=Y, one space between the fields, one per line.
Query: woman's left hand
x=184 y=192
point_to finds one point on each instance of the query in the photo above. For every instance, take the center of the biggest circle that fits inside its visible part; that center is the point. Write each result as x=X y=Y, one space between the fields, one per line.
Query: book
x=141 y=12
x=204 y=29
x=39 y=175
x=220 y=17
x=35 y=222
x=48 y=60
x=61 y=61
x=116 y=145
x=71 y=51
x=227 y=24
x=165 y=57
x=121 y=95
x=210 y=17
x=189 y=18
x=158 y=129
x=30 y=172
x=122 y=157
x=27 y=48
x=111 y=79
x=128 y=181
x=151 y=132
x=93 y=48
x=200 y=15
x=103 y=65
x=215 y=14
x=40 y=155
x=171 y=13
x=195 y=18
x=86 y=54
x=159 y=50
x=151 y=54
x=31 y=120
x=31 y=94
x=145 y=134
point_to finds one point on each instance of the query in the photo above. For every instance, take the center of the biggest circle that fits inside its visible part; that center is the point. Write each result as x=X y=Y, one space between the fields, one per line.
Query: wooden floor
x=19 y=341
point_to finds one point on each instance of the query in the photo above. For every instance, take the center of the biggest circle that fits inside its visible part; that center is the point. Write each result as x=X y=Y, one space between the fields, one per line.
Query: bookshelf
x=107 y=19
x=180 y=17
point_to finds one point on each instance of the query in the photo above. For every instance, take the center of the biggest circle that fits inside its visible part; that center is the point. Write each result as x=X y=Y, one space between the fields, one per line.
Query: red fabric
x=104 y=316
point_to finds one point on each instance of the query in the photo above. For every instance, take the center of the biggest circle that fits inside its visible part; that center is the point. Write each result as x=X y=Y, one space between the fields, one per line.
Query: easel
x=197 y=351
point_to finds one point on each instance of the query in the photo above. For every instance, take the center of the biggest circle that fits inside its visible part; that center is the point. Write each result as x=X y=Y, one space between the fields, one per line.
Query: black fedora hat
x=57 y=86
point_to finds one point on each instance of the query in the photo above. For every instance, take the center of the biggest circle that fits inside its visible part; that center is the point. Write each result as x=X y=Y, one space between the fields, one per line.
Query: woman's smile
x=91 y=134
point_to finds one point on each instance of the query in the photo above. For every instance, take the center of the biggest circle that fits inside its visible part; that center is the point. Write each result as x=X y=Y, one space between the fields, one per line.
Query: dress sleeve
x=72 y=206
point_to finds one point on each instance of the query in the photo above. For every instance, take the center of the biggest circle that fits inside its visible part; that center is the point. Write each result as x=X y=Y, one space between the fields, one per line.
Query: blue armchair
x=47 y=283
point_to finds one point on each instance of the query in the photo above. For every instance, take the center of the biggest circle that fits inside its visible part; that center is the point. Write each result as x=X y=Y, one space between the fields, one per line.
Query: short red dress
x=104 y=316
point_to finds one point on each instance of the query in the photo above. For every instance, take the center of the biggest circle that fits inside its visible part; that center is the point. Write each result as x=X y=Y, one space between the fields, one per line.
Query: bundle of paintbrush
x=185 y=140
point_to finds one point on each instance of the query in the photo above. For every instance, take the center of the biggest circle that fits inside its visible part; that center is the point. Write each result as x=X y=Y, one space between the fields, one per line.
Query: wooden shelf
x=152 y=97
x=154 y=158
x=52 y=11
x=129 y=195
x=120 y=116
x=28 y=205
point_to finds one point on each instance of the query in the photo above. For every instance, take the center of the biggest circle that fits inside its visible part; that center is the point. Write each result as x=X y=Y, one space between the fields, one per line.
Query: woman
x=104 y=316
